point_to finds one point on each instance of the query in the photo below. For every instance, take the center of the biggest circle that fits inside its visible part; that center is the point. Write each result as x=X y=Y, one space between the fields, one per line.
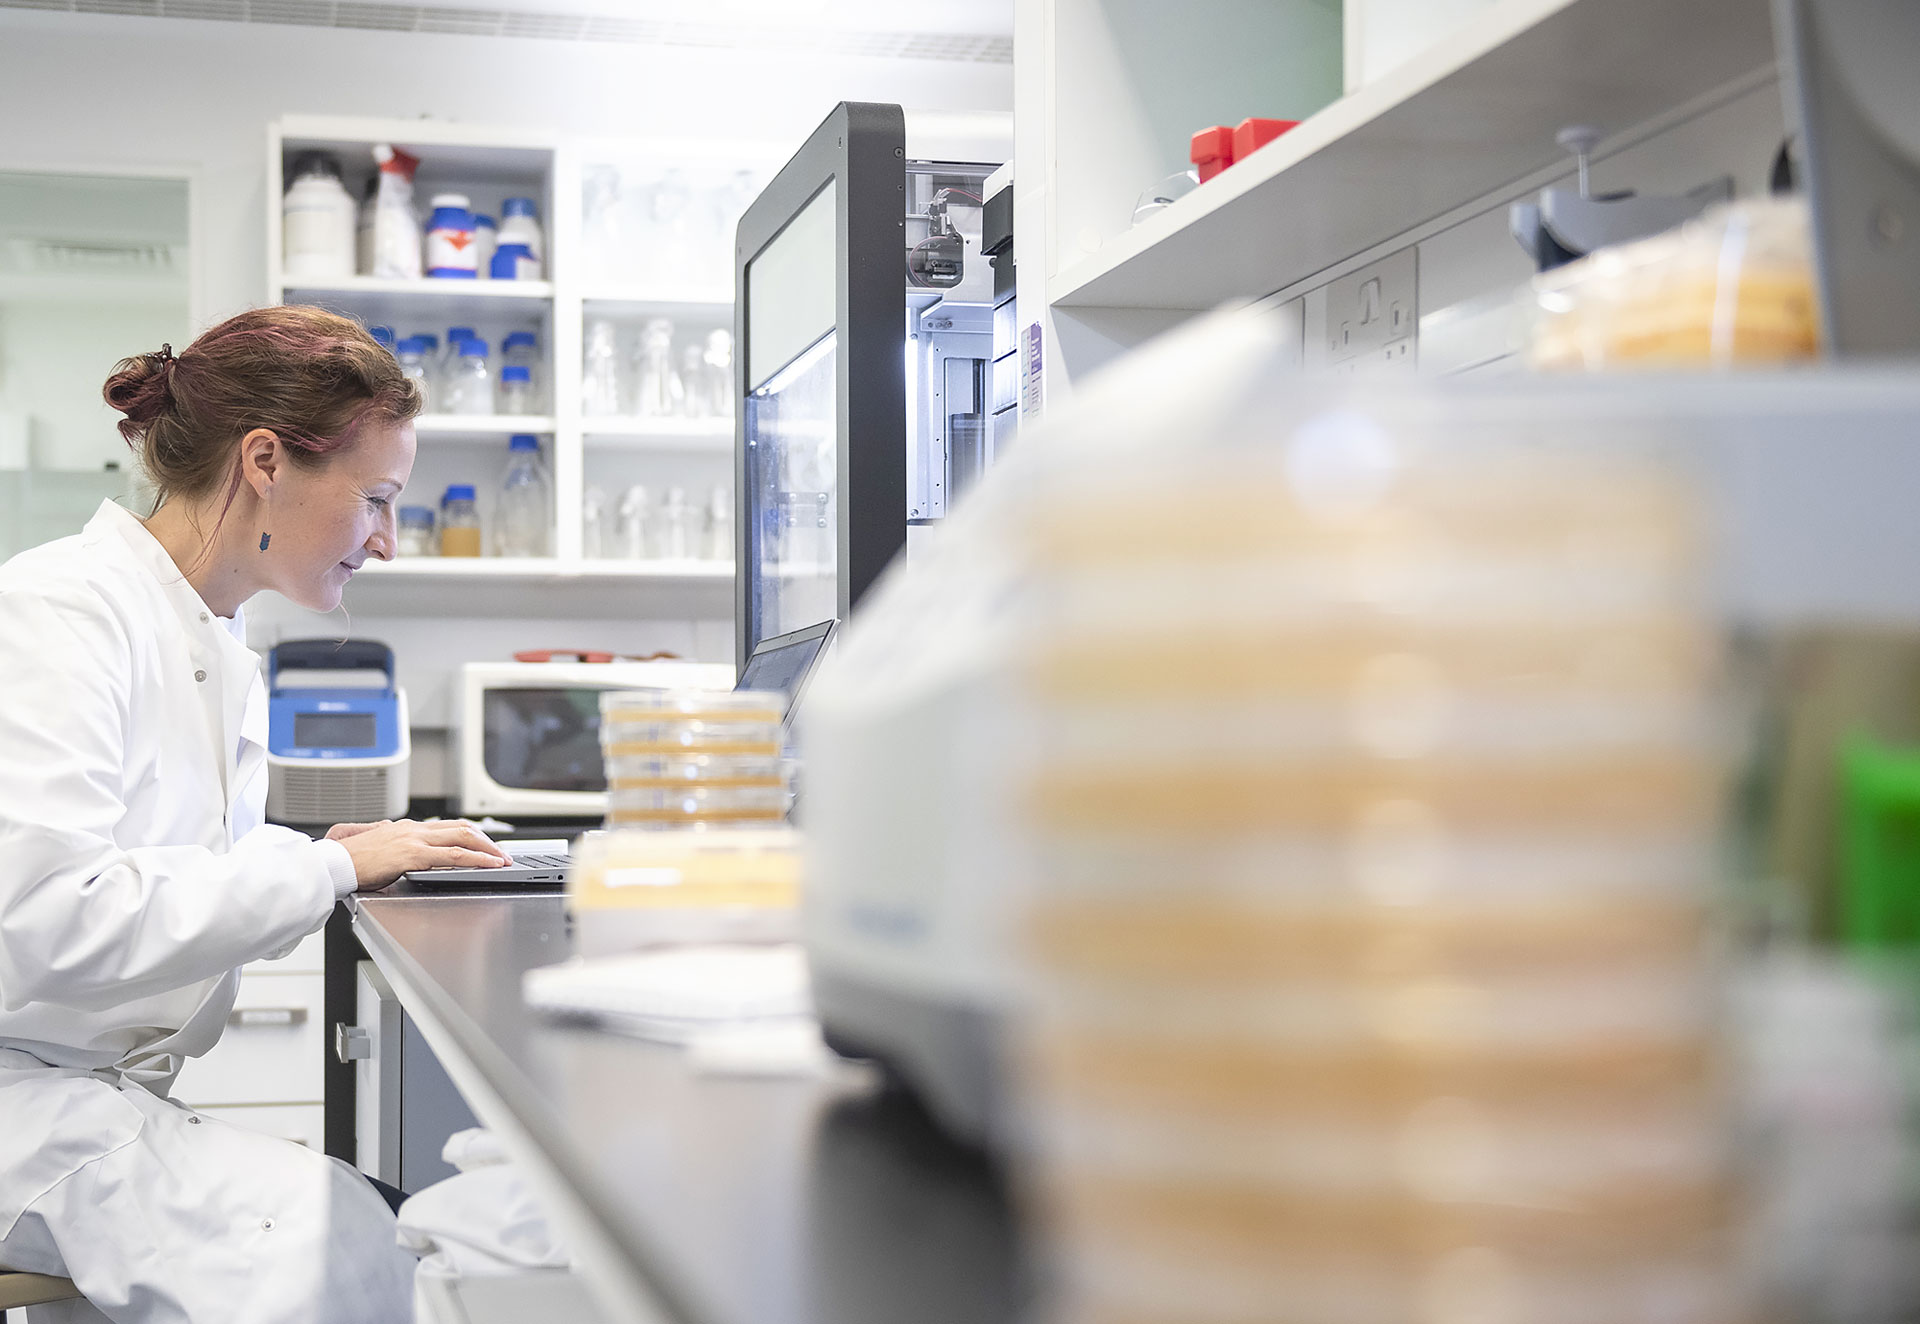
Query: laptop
x=783 y=664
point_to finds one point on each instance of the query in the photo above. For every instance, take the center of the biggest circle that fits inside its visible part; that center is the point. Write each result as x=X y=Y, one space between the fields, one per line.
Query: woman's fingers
x=464 y=834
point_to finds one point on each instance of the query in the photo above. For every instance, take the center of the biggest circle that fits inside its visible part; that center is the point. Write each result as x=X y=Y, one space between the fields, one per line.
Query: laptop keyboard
x=542 y=861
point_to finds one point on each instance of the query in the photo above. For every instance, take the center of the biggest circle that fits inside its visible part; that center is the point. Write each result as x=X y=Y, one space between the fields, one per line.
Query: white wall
x=102 y=93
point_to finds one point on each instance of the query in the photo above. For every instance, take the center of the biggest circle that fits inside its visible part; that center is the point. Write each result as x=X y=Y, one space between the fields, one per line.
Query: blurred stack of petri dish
x=693 y=759
x=1375 y=806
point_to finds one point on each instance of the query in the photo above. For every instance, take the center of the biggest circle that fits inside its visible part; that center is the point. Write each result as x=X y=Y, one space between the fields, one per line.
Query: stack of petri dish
x=693 y=759
x=1374 y=803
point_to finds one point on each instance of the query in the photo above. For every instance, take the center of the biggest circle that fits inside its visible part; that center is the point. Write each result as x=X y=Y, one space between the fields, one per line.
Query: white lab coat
x=136 y=877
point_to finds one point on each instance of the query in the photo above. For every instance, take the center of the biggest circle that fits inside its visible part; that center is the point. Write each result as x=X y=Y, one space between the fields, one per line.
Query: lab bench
x=689 y=1198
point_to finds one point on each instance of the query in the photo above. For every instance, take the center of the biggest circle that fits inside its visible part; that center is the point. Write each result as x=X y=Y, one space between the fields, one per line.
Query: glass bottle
x=521 y=349
x=694 y=396
x=412 y=353
x=523 y=519
x=669 y=254
x=593 y=522
x=719 y=529
x=636 y=518
x=657 y=389
x=470 y=388
x=515 y=395
x=717 y=373
x=416 y=532
x=600 y=377
x=459 y=521
x=676 y=526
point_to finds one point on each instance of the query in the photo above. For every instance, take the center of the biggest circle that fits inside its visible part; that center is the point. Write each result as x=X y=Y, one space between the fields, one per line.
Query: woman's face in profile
x=325 y=522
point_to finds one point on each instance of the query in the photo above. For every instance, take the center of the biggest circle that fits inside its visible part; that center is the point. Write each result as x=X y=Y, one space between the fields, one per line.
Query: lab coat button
x=200 y=675
x=193 y=1121
x=266 y=1225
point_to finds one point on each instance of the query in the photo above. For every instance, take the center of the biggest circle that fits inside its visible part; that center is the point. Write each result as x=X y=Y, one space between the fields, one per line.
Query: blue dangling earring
x=265 y=538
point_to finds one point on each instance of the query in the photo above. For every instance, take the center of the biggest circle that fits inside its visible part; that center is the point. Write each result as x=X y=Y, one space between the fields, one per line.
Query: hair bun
x=141 y=387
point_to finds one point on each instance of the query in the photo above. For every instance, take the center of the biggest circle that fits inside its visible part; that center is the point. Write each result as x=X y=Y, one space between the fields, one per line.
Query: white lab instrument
x=338 y=741
x=527 y=734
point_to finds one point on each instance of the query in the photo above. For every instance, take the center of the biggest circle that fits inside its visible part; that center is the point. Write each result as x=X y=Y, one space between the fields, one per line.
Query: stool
x=33 y=1289
x=1879 y=845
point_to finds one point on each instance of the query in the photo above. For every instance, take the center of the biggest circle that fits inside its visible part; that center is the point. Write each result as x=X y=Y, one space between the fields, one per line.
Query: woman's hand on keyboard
x=382 y=851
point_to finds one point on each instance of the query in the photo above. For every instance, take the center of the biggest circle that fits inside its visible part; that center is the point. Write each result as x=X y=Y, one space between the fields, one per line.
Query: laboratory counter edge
x=693 y=1198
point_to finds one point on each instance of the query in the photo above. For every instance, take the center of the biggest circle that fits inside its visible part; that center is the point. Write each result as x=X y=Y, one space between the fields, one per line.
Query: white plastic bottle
x=470 y=385
x=318 y=220
x=520 y=224
x=450 y=242
x=397 y=238
x=523 y=524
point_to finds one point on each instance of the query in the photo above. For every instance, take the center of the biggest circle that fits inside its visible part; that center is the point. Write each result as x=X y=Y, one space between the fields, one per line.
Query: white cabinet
x=635 y=230
x=272 y=1049
x=1106 y=92
x=266 y=1071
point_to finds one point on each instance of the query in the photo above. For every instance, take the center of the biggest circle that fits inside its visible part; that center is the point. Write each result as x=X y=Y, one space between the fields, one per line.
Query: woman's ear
x=262 y=463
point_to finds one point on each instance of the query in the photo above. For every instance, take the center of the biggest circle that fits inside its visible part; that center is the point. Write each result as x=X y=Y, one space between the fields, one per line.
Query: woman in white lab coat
x=136 y=876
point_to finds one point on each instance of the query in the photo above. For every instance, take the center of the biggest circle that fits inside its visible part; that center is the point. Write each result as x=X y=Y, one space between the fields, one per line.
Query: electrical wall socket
x=1373 y=315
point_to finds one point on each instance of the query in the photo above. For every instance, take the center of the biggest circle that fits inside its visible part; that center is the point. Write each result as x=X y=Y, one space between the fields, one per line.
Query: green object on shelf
x=1879 y=845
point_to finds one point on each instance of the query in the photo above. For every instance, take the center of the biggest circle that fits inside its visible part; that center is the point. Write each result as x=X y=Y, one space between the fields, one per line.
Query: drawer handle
x=351 y=1043
x=268 y=1016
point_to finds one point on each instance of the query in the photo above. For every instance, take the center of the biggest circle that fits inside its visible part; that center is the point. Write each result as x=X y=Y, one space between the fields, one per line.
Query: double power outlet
x=1372 y=317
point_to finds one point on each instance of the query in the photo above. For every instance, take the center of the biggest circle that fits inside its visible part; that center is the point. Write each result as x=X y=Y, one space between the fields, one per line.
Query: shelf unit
x=489 y=426
x=1107 y=92
x=543 y=569
x=611 y=453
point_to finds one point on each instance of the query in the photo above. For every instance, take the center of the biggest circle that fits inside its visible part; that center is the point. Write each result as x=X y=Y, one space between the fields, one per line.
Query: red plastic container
x=1251 y=134
x=1212 y=150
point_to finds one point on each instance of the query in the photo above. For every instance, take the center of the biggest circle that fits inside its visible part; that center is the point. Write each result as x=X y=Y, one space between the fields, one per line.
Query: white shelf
x=662 y=434
x=426 y=286
x=545 y=569
x=1477 y=111
x=481 y=425
x=379 y=300
x=635 y=300
x=489 y=164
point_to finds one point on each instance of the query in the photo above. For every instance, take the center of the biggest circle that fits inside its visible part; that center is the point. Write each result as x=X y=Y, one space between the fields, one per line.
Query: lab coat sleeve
x=85 y=922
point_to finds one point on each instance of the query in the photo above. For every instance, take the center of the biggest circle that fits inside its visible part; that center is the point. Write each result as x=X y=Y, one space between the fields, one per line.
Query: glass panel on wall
x=92 y=269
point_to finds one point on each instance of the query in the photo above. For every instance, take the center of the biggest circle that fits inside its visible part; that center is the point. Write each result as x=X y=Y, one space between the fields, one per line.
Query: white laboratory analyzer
x=337 y=740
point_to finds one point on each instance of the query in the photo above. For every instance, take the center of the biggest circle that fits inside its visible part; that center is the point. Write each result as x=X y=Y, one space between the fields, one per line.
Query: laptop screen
x=784 y=663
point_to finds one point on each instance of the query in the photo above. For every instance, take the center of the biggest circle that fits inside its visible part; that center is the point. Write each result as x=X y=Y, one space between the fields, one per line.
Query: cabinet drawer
x=272 y=1049
x=304 y=1123
x=309 y=958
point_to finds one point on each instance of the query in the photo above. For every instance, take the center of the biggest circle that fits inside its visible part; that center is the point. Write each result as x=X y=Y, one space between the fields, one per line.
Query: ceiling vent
x=965 y=47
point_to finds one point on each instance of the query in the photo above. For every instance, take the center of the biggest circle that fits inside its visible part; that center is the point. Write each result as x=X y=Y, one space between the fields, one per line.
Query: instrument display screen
x=333 y=730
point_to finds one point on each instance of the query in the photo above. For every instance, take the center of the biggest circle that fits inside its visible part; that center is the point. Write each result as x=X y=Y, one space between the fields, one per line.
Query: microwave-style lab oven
x=526 y=735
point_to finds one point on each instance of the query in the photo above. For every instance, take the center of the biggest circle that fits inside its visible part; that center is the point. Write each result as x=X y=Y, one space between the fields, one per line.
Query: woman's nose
x=383 y=541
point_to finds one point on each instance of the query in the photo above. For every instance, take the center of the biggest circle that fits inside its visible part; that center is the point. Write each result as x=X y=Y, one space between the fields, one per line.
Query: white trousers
x=198 y=1221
